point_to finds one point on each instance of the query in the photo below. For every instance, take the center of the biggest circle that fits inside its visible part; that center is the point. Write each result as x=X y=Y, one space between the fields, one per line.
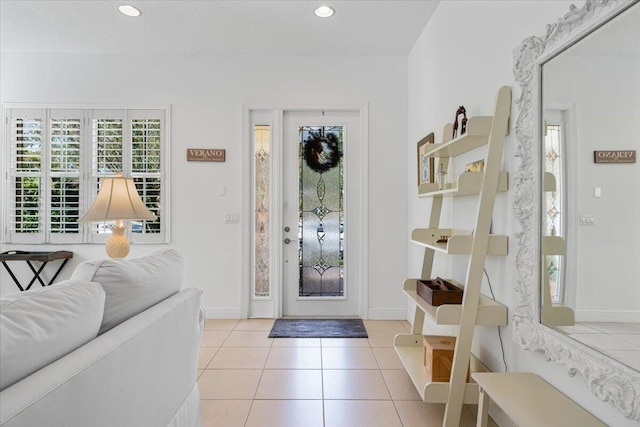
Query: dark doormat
x=318 y=328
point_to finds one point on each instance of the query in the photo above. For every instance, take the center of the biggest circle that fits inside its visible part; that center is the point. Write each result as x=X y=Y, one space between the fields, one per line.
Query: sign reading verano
x=205 y=155
x=626 y=156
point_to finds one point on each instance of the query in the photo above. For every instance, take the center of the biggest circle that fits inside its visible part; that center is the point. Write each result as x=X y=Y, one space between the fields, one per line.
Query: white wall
x=603 y=121
x=463 y=56
x=206 y=94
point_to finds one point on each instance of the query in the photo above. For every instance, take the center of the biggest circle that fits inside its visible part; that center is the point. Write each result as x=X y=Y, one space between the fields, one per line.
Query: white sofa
x=139 y=373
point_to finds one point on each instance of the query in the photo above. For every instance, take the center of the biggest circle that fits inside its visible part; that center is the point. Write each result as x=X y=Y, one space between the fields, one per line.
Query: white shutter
x=107 y=158
x=26 y=175
x=56 y=157
x=147 y=129
x=65 y=190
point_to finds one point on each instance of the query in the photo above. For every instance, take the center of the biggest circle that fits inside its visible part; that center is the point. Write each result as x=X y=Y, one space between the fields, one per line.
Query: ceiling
x=213 y=26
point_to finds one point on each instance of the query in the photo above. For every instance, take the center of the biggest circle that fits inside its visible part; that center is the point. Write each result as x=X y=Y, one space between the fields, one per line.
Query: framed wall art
x=425 y=163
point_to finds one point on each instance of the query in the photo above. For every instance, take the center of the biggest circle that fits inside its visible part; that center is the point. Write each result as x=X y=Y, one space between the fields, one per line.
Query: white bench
x=529 y=401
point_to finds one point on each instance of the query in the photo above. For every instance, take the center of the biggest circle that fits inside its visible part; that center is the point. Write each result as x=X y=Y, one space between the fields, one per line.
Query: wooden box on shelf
x=438 y=291
x=437 y=351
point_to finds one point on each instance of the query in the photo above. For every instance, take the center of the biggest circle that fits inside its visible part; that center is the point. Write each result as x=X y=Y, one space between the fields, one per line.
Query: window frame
x=88 y=179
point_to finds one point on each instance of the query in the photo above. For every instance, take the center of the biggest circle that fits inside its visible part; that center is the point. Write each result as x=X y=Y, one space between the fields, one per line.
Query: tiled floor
x=249 y=380
x=620 y=340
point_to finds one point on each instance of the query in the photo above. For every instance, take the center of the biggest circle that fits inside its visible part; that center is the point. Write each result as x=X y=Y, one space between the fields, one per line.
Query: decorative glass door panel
x=321 y=213
x=320 y=228
x=262 y=205
x=553 y=204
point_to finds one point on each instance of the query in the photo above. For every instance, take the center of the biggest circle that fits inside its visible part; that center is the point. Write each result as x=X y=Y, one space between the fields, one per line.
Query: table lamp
x=117 y=200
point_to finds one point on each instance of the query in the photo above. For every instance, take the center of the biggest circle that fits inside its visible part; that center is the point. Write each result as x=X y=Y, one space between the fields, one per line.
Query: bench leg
x=483 y=409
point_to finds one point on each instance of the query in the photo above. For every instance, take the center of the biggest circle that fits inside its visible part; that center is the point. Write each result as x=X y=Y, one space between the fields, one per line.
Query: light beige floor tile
x=632 y=338
x=470 y=417
x=199 y=372
x=612 y=327
x=285 y=413
x=419 y=414
x=213 y=338
x=296 y=342
x=400 y=385
x=348 y=358
x=220 y=324
x=248 y=339
x=294 y=358
x=304 y=384
x=382 y=339
x=387 y=358
x=367 y=384
x=205 y=355
x=384 y=326
x=239 y=358
x=345 y=342
x=604 y=342
x=352 y=413
x=406 y=325
x=229 y=383
x=224 y=413
x=255 y=325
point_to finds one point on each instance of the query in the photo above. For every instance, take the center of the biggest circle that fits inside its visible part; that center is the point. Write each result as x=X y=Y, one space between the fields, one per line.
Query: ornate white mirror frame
x=608 y=379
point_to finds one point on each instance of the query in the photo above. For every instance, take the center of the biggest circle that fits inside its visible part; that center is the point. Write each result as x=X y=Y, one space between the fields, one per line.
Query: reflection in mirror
x=590 y=212
x=591 y=83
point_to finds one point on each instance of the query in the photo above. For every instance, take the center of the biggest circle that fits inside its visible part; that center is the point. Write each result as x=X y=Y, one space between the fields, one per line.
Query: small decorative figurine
x=463 y=125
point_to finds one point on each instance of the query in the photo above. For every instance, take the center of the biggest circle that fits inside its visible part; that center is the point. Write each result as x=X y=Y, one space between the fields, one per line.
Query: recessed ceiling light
x=129 y=10
x=324 y=11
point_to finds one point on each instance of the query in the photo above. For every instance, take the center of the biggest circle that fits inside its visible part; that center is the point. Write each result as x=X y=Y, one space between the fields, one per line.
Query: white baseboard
x=607 y=316
x=387 y=314
x=222 y=313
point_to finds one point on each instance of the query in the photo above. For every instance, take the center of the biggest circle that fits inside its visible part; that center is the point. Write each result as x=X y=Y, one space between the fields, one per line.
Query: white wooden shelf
x=553 y=245
x=477 y=135
x=459 y=242
x=409 y=349
x=469 y=183
x=490 y=312
x=549 y=182
x=475 y=309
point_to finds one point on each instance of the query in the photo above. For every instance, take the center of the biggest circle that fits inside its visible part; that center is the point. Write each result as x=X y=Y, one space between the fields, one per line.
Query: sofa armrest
x=137 y=374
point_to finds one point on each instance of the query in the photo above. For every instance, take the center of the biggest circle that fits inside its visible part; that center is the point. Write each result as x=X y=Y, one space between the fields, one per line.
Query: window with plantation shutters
x=64 y=147
x=146 y=167
x=57 y=158
x=26 y=134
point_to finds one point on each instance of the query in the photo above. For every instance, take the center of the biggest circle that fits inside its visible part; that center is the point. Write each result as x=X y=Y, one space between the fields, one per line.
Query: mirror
x=571 y=264
x=590 y=97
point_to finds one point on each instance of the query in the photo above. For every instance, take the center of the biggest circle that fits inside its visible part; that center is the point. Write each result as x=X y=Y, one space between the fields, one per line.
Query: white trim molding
x=610 y=380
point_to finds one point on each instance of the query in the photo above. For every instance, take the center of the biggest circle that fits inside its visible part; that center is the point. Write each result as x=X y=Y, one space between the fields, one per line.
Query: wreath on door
x=321 y=152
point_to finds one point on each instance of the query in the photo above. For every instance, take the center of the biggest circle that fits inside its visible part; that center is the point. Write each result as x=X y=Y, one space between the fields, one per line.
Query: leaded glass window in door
x=262 y=174
x=553 y=216
x=321 y=213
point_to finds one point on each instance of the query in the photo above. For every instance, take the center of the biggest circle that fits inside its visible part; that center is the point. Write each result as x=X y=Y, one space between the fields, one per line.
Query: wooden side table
x=29 y=257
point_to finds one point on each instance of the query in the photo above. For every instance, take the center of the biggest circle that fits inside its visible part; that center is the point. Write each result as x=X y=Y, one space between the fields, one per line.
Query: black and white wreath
x=321 y=152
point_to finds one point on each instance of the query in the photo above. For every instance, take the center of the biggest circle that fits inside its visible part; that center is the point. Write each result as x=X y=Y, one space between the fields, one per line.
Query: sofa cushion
x=132 y=286
x=37 y=327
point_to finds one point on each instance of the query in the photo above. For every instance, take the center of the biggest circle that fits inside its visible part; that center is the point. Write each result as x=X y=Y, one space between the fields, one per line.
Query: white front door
x=321 y=202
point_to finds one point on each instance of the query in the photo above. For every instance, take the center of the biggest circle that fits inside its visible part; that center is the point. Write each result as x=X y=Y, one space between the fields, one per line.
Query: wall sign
x=205 y=155
x=626 y=156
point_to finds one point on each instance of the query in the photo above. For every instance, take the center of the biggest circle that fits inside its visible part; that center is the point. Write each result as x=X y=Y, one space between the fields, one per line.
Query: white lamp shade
x=117 y=199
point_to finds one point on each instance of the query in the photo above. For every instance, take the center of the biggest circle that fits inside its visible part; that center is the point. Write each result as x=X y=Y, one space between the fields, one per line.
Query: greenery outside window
x=56 y=158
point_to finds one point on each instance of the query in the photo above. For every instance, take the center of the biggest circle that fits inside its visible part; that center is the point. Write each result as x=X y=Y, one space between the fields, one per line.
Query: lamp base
x=118 y=245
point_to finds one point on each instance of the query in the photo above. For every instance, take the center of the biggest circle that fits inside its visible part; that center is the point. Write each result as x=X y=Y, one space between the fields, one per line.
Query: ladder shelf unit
x=476 y=309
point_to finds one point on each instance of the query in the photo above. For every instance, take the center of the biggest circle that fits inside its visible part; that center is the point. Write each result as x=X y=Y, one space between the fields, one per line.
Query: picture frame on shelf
x=425 y=163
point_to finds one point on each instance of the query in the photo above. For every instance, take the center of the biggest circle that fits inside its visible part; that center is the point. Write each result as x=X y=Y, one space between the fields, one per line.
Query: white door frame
x=361 y=287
